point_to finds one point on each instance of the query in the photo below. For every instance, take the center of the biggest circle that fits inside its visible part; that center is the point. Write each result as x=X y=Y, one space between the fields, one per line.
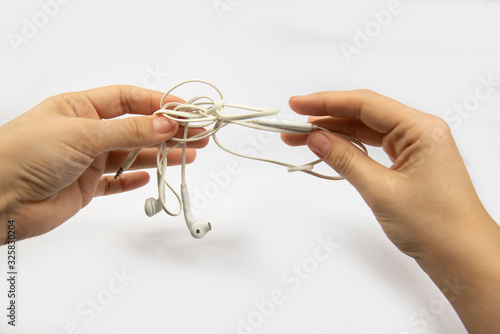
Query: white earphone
x=152 y=207
x=197 y=227
x=202 y=112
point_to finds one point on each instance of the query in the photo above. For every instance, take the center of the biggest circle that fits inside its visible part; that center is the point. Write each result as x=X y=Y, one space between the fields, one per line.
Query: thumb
x=134 y=132
x=349 y=161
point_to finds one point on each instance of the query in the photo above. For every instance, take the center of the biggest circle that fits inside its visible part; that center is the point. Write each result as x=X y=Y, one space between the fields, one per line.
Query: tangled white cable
x=203 y=111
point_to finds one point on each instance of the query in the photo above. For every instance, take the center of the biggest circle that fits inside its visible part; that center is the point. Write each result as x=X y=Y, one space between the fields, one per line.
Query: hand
x=55 y=156
x=425 y=202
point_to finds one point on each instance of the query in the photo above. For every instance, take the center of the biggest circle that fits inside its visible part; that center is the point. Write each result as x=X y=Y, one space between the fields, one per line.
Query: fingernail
x=163 y=125
x=319 y=143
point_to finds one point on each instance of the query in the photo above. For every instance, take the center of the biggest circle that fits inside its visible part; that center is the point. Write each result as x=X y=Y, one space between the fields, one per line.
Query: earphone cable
x=202 y=111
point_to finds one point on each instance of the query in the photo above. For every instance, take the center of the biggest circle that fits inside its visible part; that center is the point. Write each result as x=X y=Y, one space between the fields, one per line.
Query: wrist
x=465 y=268
x=472 y=246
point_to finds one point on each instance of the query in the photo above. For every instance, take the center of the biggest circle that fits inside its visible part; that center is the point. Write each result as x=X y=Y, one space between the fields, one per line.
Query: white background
x=430 y=56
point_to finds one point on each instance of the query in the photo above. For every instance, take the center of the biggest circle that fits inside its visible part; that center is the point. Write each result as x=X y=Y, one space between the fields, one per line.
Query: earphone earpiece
x=152 y=207
x=199 y=227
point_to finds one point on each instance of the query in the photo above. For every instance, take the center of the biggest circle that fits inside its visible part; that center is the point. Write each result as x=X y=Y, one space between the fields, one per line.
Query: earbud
x=152 y=207
x=198 y=227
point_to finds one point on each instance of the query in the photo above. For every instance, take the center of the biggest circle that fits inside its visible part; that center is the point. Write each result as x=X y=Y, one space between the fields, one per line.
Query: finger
x=108 y=185
x=378 y=112
x=114 y=101
x=347 y=126
x=191 y=132
x=129 y=132
x=146 y=159
x=294 y=139
x=351 y=127
x=347 y=160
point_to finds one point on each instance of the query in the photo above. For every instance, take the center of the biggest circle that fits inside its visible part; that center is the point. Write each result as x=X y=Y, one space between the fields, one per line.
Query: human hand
x=425 y=202
x=55 y=156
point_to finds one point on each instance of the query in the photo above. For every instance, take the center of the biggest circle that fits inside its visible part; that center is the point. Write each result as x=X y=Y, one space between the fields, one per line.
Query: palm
x=65 y=153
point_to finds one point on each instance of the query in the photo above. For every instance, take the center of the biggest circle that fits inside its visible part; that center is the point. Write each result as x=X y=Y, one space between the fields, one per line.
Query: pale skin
x=425 y=202
x=65 y=151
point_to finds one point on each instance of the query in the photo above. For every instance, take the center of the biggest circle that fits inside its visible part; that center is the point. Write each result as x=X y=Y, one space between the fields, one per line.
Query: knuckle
x=135 y=130
x=366 y=92
x=124 y=101
x=439 y=130
x=439 y=123
x=342 y=162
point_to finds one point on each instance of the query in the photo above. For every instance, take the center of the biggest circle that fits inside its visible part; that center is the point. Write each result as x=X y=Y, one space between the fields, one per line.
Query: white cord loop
x=203 y=111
